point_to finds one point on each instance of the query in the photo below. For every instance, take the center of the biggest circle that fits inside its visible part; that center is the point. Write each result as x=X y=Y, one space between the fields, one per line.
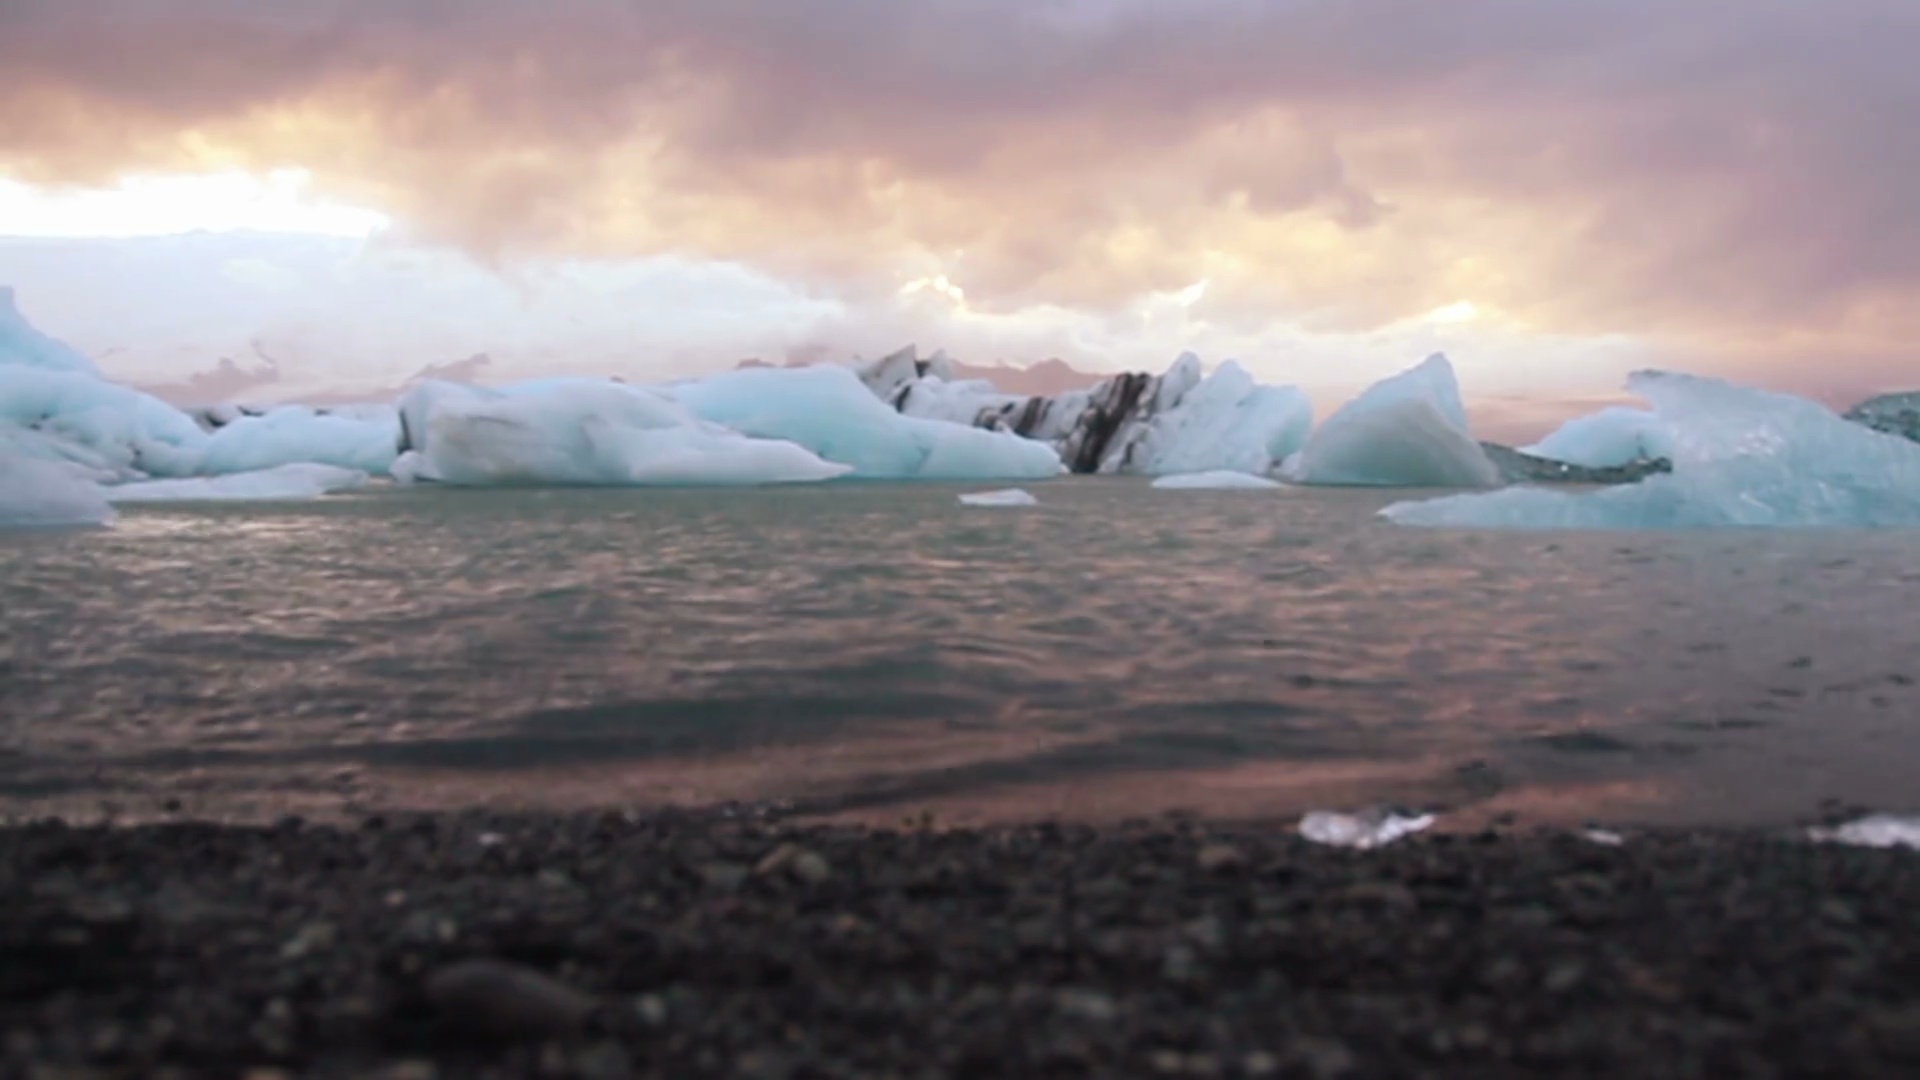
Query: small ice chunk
x=1876 y=830
x=1603 y=837
x=1361 y=831
x=1216 y=480
x=1008 y=497
x=286 y=482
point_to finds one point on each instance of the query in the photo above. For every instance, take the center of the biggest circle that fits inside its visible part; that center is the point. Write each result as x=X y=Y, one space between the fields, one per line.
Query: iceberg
x=830 y=412
x=1741 y=458
x=1409 y=430
x=66 y=415
x=35 y=492
x=366 y=441
x=1226 y=422
x=23 y=346
x=1177 y=422
x=281 y=483
x=1216 y=481
x=583 y=432
x=1609 y=439
x=1007 y=498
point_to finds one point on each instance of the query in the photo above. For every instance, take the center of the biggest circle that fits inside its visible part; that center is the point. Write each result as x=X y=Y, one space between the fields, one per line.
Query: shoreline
x=706 y=944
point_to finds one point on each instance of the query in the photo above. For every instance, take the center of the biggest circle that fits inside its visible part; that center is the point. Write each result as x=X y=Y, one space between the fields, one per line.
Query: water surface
x=881 y=651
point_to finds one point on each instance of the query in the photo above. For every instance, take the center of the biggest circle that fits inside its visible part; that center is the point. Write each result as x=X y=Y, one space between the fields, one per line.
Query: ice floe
x=1218 y=480
x=1009 y=497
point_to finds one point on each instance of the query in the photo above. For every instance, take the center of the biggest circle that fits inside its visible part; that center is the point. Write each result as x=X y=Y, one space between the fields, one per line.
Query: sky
x=1555 y=192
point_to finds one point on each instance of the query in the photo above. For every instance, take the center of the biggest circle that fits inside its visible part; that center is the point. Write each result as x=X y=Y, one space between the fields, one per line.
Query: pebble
x=510 y=1001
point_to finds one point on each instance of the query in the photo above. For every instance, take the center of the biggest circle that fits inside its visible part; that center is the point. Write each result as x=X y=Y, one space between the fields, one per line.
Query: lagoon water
x=881 y=651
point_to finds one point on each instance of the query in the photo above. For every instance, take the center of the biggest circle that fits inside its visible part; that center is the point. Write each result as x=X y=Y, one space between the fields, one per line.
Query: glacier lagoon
x=879 y=650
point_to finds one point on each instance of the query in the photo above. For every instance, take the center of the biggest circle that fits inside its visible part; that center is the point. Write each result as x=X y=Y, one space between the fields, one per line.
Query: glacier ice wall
x=1741 y=457
x=1608 y=439
x=832 y=413
x=1409 y=430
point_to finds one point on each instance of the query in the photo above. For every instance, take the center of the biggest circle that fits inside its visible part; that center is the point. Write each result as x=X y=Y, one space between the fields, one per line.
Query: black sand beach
x=709 y=945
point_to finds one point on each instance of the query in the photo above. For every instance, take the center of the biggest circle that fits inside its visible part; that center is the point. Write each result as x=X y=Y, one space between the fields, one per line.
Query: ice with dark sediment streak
x=1409 y=430
x=1184 y=420
x=1741 y=458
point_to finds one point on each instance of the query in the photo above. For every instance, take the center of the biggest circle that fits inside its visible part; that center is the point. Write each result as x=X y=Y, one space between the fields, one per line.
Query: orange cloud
x=1713 y=171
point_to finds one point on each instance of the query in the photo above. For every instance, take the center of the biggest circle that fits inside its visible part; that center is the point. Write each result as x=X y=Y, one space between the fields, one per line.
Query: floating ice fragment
x=1876 y=830
x=1603 y=837
x=1009 y=497
x=1217 y=480
x=1361 y=831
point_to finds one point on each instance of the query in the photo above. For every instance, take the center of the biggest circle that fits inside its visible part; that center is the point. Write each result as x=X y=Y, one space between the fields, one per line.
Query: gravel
x=684 y=945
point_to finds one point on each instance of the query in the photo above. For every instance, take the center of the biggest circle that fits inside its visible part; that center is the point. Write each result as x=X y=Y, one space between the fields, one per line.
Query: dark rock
x=495 y=999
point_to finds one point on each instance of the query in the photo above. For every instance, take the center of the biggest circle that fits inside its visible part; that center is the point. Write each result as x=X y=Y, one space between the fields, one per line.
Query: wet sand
x=686 y=945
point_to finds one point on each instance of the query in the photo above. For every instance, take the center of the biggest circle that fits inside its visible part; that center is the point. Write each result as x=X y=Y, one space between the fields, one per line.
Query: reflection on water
x=878 y=649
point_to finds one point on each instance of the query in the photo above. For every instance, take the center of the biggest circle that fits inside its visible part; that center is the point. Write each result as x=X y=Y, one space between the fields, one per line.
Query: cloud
x=1722 y=174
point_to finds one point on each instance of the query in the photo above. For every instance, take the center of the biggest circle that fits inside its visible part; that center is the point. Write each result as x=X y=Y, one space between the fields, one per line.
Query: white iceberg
x=1362 y=831
x=1406 y=431
x=1009 y=497
x=1741 y=458
x=35 y=492
x=830 y=412
x=367 y=440
x=66 y=415
x=281 y=483
x=1608 y=439
x=583 y=432
x=1219 y=480
x=1876 y=830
